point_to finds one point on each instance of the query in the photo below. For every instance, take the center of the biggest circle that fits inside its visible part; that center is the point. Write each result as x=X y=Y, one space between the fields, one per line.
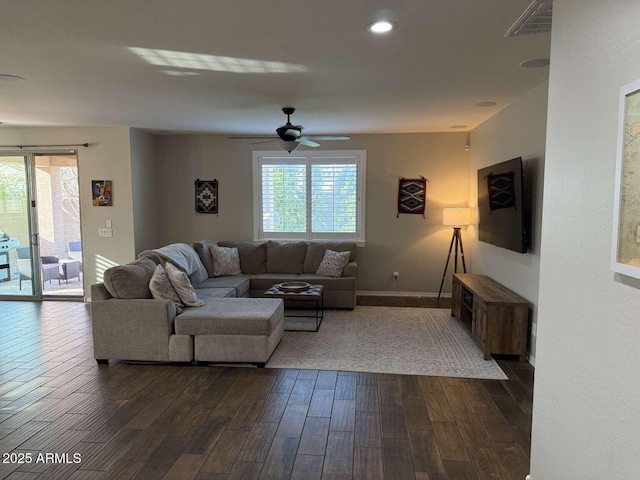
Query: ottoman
x=245 y=330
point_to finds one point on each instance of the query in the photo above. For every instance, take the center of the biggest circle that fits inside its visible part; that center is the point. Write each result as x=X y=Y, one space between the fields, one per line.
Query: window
x=309 y=196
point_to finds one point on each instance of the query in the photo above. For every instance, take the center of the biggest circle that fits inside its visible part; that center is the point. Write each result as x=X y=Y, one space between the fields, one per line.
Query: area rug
x=416 y=341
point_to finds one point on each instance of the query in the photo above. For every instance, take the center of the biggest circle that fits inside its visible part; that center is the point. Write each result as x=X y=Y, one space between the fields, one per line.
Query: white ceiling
x=425 y=76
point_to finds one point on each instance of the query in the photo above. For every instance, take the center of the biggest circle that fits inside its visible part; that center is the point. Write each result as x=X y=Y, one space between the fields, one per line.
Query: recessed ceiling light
x=382 y=26
x=10 y=78
x=486 y=104
x=458 y=126
x=535 y=63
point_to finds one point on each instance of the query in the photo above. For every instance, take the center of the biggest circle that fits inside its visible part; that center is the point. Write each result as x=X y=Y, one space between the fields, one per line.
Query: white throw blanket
x=182 y=256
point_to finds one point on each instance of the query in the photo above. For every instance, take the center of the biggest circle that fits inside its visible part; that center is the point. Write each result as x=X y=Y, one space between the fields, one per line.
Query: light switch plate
x=105 y=232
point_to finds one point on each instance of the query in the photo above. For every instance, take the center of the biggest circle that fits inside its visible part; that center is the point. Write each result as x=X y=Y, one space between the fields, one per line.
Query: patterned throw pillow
x=161 y=288
x=333 y=263
x=226 y=261
x=181 y=283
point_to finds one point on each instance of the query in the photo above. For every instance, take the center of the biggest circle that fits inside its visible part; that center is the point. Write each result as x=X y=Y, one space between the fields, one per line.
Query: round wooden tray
x=294 y=286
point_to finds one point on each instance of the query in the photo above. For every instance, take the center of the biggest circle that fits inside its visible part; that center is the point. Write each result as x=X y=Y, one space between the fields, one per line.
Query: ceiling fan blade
x=326 y=137
x=308 y=143
x=253 y=137
x=265 y=141
x=291 y=133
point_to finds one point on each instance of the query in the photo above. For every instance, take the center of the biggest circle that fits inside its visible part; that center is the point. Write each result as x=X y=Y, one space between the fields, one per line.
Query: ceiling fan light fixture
x=382 y=26
x=289 y=146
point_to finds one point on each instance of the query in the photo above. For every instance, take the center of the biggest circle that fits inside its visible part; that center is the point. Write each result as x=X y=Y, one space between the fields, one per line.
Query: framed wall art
x=207 y=196
x=102 y=193
x=626 y=213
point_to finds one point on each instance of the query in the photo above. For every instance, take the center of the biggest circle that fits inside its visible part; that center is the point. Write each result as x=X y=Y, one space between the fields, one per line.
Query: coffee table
x=311 y=298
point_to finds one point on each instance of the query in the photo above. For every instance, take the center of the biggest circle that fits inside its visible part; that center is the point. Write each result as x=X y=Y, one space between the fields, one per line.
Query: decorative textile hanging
x=207 y=196
x=411 y=195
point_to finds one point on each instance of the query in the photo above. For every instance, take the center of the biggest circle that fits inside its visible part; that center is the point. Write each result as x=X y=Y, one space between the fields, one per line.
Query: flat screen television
x=502 y=219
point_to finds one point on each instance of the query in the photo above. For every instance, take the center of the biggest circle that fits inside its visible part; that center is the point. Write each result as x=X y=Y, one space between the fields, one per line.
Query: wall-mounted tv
x=501 y=207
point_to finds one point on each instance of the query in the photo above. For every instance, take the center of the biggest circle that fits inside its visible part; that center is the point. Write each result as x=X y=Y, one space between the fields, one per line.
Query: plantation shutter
x=284 y=197
x=310 y=195
x=334 y=190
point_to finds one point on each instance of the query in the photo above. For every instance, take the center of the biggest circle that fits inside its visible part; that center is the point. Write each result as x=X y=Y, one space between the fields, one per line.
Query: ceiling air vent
x=535 y=19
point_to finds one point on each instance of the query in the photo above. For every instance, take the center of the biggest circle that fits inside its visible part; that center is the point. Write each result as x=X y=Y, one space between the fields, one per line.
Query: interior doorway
x=40 y=231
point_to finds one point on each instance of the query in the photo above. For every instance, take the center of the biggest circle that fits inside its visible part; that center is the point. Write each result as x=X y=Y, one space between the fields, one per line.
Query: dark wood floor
x=188 y=422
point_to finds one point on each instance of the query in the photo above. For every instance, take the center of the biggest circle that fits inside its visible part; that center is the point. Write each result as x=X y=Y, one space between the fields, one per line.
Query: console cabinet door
x=456 y=298
x=480 y=320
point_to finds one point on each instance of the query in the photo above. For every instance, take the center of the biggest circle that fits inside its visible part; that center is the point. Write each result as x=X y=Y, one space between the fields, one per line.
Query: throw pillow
x=180 y=281
x=333 y=263
x=161 y=288
x=226 y=261
x=130 y=280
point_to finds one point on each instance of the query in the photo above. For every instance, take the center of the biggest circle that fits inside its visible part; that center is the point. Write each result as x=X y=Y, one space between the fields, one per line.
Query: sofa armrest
x=350 y=270
x=99 y=292
x=132 y=329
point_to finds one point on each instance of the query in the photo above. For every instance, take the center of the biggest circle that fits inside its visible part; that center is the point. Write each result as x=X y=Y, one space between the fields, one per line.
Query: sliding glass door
x=16 y=234
x=40 y=241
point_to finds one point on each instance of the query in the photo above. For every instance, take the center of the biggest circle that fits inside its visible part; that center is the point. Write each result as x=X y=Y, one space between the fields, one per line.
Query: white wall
x=413 y=246
x=517 y=131
x=586 y=417
x=144 y=178
x=107 y=158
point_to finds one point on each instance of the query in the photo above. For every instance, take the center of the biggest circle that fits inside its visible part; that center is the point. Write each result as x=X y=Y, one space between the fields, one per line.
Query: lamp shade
x=456 y=216
x=289 y=146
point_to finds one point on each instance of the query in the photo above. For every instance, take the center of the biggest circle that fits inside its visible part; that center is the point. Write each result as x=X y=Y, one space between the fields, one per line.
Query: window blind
x=334 y=189
x=284 y=198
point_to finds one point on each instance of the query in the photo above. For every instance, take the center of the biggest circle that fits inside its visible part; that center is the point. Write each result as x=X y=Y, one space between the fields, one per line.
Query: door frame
x=33 y=222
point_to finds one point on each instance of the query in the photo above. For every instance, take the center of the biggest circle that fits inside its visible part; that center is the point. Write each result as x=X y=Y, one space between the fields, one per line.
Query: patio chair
x=74 y=251
x=48 y=264
x=24 y=264
x=50 y=269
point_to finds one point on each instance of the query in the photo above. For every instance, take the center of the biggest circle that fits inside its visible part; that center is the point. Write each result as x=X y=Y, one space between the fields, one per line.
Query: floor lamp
x=455 y=217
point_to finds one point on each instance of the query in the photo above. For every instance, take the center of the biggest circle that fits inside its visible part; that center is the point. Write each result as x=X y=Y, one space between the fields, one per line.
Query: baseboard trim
x=402 y=299
x=532 y=360
x=386 y=293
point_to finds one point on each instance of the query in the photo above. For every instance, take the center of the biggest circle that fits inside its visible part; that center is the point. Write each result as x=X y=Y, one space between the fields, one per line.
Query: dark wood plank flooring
x=209 y=422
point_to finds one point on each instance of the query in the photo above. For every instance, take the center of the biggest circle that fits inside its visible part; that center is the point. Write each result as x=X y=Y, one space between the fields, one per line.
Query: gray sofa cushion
x=130 y=280
x=329 y=283
x=286 y=257
x=315 y=253
x=202 y=249
x=264 y=281
x=253 y=255
x=231 y=316
x=239 y=283
x=212 y=294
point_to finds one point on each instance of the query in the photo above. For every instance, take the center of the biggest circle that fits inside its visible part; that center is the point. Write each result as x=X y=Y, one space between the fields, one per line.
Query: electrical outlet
x=396 y=275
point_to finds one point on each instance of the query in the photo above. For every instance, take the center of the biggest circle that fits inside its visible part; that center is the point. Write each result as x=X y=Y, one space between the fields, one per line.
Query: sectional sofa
x=234 y=324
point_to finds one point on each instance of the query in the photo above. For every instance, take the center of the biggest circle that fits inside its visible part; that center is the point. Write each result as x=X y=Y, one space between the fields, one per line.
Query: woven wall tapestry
x=206 y=196
x=501 y=191
x=411 y=195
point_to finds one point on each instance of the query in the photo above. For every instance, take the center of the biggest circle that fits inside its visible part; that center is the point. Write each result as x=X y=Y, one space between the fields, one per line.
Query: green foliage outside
x=12 y=187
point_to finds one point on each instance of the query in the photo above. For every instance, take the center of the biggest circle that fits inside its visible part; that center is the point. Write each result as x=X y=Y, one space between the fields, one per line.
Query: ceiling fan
x=291 y=136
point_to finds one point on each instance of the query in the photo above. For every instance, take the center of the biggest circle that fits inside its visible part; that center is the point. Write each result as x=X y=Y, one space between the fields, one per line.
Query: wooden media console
x=497 y=318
